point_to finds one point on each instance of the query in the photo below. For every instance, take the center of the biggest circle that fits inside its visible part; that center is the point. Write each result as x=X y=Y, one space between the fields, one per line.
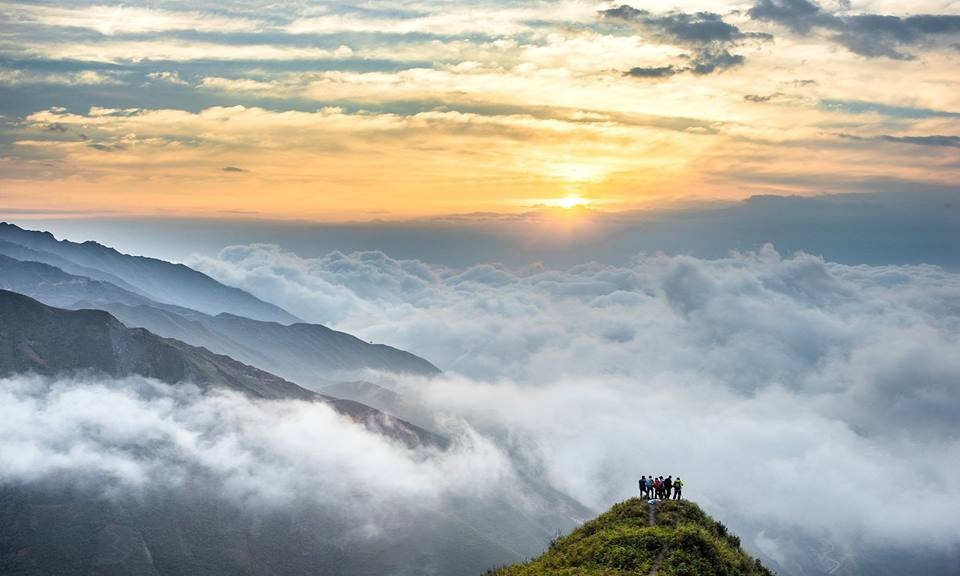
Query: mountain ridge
x=163 y=281
x=50 y=341
x=307 y=353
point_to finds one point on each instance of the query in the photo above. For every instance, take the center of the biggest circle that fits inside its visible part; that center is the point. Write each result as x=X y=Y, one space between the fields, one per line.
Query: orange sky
x=415 y=110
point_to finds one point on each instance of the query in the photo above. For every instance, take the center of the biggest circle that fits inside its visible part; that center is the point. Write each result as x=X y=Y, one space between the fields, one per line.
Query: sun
x=568 y=202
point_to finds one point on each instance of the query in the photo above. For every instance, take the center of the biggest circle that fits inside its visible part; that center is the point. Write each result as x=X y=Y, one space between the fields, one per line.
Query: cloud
x=101 y=147
x=116 y=51
x=869 y=35
x=490 y=18
x=780 y=388
x=905 y=112
x=707 y=33
x=652 y=72
x=168 y=76
x=134 y=434
x=110 y=20
x=696 y=29
x=939 y=140
x=81 y=78
x=234 y=169
x=713 y=59
x=785 y=375
x=760 y=98
x=798 y=15
x=934 y=140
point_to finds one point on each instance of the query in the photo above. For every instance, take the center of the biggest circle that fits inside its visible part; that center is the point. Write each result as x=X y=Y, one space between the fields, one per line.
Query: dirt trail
x=658 y=561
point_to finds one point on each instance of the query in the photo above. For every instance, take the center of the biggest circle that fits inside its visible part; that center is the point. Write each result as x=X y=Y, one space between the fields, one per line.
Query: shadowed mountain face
x=55 y=530
x=50 y=341
x=161 y=281
x=306 y=353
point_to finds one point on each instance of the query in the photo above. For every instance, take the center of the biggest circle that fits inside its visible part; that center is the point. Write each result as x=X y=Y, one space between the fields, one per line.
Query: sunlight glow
x=568 y=202
x=576 y=172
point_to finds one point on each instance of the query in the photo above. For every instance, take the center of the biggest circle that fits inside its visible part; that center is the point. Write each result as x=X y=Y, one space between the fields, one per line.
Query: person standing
x=668 y=487
x=650 y=486
x=677 y=488
x=657 y=487
x=643 y=486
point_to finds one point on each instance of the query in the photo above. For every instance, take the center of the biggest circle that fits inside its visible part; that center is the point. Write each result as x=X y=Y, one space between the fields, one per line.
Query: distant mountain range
x=156 y=279
x=309 y=354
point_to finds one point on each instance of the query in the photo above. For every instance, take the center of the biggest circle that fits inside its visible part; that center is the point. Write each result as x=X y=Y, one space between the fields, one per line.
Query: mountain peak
x=672 y=537
x=13 y=228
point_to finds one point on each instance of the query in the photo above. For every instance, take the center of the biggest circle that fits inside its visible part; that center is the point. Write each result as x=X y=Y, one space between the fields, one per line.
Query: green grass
x=621 y=542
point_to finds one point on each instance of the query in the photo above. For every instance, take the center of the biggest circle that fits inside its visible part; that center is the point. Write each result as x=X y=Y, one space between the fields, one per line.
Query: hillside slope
x=35 y=338
x=683 y=541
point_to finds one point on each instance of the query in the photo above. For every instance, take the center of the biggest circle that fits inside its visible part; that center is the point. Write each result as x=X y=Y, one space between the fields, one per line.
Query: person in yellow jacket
x=677 y=488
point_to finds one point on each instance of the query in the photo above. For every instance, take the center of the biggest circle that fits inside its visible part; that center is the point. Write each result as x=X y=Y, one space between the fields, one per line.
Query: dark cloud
x=106 y=147
x=686 y=29
x=713 y=59
x=706 y=33
x=798 y=15
x=865 y=107
x=757 y=98
x=949 y=141
x=653 y=72
x=869 y=35
x=233 y=169
x=932 y=140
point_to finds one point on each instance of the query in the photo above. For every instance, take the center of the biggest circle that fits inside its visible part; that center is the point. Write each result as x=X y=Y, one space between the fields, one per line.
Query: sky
x=331 y=112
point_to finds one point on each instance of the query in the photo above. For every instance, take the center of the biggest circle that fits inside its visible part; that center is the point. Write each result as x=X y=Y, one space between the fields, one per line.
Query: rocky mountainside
x=159 y=280
x=671 y=538
x=50 y=341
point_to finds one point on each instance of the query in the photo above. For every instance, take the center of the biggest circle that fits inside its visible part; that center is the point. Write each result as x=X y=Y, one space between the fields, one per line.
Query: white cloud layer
x=794 y=396
x=135 y=433
x=787 y=392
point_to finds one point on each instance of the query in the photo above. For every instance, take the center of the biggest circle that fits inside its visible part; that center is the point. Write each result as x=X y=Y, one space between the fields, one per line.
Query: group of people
x=661 y=488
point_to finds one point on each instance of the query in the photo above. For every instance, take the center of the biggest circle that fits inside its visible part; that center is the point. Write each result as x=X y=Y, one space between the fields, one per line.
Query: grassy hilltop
x=682 y=541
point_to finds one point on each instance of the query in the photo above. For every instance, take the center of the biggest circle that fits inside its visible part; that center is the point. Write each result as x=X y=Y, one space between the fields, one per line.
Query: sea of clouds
x=788 y=390
x=792 y=395
x=132 y=436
